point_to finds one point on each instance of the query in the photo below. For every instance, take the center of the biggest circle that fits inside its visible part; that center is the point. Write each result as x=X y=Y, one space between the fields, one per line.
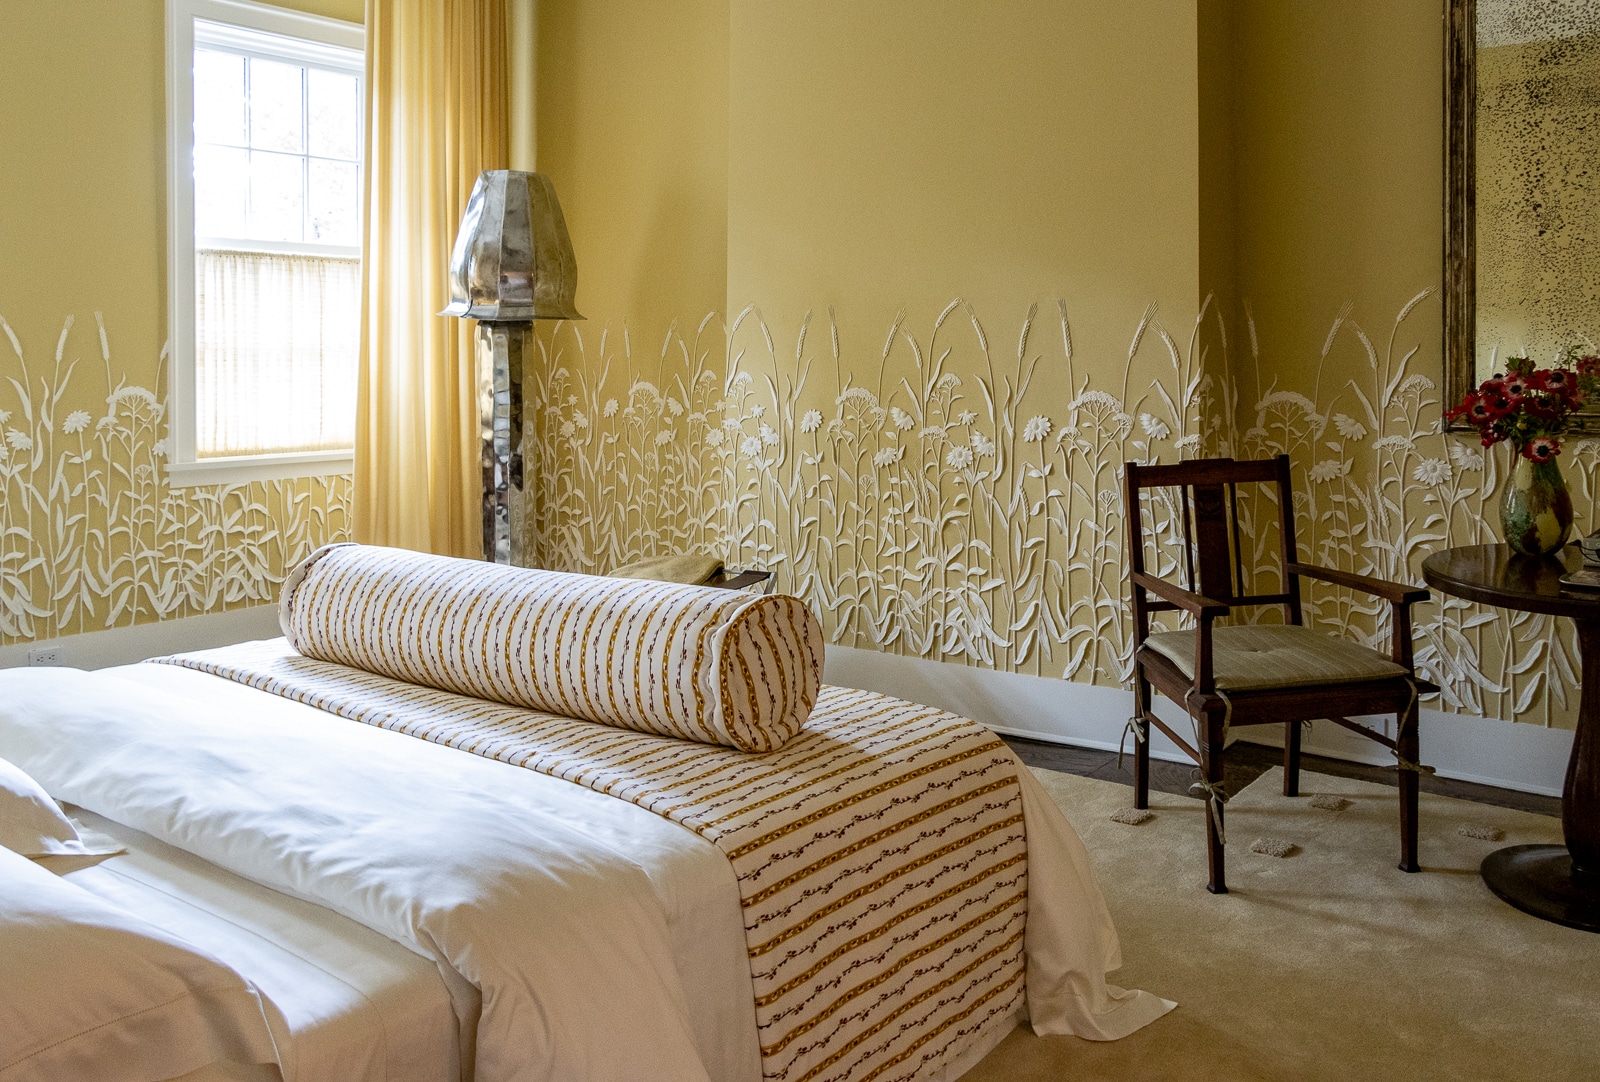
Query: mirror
x=1522 y=187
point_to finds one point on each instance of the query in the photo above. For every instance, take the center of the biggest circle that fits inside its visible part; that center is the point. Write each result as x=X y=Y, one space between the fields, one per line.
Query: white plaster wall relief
x=940 y=494
x=91 y=534
x=926 y=503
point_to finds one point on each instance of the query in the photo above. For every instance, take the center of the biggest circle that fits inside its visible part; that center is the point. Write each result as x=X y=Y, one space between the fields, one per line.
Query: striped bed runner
x=880 y=854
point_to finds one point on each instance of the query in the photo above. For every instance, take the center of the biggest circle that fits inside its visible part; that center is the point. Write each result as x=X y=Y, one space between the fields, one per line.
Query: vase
x=1536 y=514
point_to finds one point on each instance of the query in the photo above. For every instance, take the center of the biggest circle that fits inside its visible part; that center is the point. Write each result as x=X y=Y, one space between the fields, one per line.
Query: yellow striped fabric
x=715 y=666
x=880 y=854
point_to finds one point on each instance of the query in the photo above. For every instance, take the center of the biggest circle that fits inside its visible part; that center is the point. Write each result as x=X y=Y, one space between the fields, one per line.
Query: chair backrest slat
x=1188 y=537
x=1238 y=548
x=1211 y=530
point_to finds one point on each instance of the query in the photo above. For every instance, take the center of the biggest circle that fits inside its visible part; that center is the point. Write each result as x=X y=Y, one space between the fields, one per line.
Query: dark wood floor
x=1247 y=762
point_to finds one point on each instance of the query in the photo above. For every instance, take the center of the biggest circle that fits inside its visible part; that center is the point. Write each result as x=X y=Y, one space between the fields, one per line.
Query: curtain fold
x=436 y=118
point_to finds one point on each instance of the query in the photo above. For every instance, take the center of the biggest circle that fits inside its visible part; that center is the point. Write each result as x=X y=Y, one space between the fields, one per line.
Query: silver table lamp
x=512 y=264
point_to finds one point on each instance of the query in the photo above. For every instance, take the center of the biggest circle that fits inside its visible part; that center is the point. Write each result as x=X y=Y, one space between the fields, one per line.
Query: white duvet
x=580 y=935
x=512 y=886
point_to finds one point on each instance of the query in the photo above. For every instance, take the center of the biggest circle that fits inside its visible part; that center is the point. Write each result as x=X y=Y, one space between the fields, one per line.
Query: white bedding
x=607 y=941
x=94 y=992
x=350 y=1005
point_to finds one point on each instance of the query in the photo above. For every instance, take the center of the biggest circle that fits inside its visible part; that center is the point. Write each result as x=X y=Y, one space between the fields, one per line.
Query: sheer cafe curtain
x=275 y=358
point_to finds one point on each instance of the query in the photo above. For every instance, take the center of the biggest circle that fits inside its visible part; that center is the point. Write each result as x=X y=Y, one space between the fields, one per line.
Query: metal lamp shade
x=512 y=259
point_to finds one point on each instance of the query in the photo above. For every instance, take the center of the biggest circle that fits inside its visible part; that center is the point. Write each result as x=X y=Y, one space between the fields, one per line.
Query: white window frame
x=184 y=469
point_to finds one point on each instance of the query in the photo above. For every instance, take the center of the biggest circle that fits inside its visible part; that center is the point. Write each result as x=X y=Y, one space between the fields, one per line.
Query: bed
x=428 y=878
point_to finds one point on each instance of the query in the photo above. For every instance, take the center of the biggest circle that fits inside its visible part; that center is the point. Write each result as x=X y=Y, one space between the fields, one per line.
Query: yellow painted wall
x=632 y=128
x=903 y=152
x=83 y=231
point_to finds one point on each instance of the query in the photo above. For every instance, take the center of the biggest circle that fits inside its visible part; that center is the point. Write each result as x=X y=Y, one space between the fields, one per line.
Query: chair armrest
x=1390 y=591
x=1202 y=607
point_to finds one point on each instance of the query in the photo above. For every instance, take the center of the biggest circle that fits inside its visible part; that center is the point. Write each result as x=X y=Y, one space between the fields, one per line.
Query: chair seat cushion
x=1257 y=657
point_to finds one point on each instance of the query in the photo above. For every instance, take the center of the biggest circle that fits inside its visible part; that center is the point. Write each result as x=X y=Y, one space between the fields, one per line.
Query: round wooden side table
x=1556 y=883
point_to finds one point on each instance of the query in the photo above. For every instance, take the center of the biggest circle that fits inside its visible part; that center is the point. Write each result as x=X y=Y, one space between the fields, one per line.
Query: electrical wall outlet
x=48 y=655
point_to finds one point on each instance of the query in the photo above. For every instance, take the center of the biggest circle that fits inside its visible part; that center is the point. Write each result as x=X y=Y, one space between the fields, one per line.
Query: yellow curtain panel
x=436 y=118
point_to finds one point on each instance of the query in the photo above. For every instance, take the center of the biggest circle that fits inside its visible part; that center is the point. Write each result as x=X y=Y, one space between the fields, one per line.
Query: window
x=265 y=126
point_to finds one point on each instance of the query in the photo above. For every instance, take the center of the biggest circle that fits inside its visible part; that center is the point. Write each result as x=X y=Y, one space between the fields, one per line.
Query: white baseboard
x=1036 y=707
x=126 y=645
x=1528 y=758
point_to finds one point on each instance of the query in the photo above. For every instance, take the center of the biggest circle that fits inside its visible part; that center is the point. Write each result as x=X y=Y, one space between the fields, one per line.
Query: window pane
x=218 y=98
x=335 y=113
x=335 y=203
x=275 y=352
x=277 y=201
x=220 y=181
x=275 y=112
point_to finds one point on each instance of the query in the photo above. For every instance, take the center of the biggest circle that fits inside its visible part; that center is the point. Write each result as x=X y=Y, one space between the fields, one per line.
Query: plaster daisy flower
x=966 y=418
x=1466 y=458
x=769 y=436
x=610 y=409
x=751 y=446
x=19 y=439
x=567 y=429
x=1154 y=427
x=664 y=437
x=1329 y=469
x=76 y=421
x=1349 y=427
x=888 y=456
x=811 y=420
x=1036 y=429
x=1432 y=471
x=675 y=407
x=5 y=415
x=580 y=420
x=159 y=448
x=959 y=457
x=758 y=412
x=982 y=444
x=714 y=437
x=902 y=420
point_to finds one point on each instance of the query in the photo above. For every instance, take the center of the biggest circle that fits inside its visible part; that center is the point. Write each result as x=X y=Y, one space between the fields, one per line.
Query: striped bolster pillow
x=693 y=662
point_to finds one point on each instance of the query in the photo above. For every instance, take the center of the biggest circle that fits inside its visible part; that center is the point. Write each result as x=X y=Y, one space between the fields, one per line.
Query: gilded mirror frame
x=1460 y=215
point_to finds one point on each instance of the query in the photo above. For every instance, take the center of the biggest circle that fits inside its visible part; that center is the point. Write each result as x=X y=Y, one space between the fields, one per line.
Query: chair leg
x=1410 y=782
x=1291 y=758
x=1212 y=768
x=1141 y=743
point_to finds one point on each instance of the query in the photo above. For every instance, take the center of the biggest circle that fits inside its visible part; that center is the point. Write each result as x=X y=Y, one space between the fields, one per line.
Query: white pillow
x=31 y=823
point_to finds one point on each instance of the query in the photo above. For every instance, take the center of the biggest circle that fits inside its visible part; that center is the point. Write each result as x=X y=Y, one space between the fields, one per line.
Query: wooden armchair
x=1257 y=674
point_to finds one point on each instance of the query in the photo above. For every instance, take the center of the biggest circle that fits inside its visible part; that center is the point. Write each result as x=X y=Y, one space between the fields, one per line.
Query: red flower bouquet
x=1528 y=406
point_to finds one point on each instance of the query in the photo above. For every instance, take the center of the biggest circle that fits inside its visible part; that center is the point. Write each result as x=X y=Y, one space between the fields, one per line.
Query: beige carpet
x=1329 y=963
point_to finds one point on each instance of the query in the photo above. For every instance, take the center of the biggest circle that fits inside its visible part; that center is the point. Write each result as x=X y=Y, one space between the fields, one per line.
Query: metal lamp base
x=499 y=355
